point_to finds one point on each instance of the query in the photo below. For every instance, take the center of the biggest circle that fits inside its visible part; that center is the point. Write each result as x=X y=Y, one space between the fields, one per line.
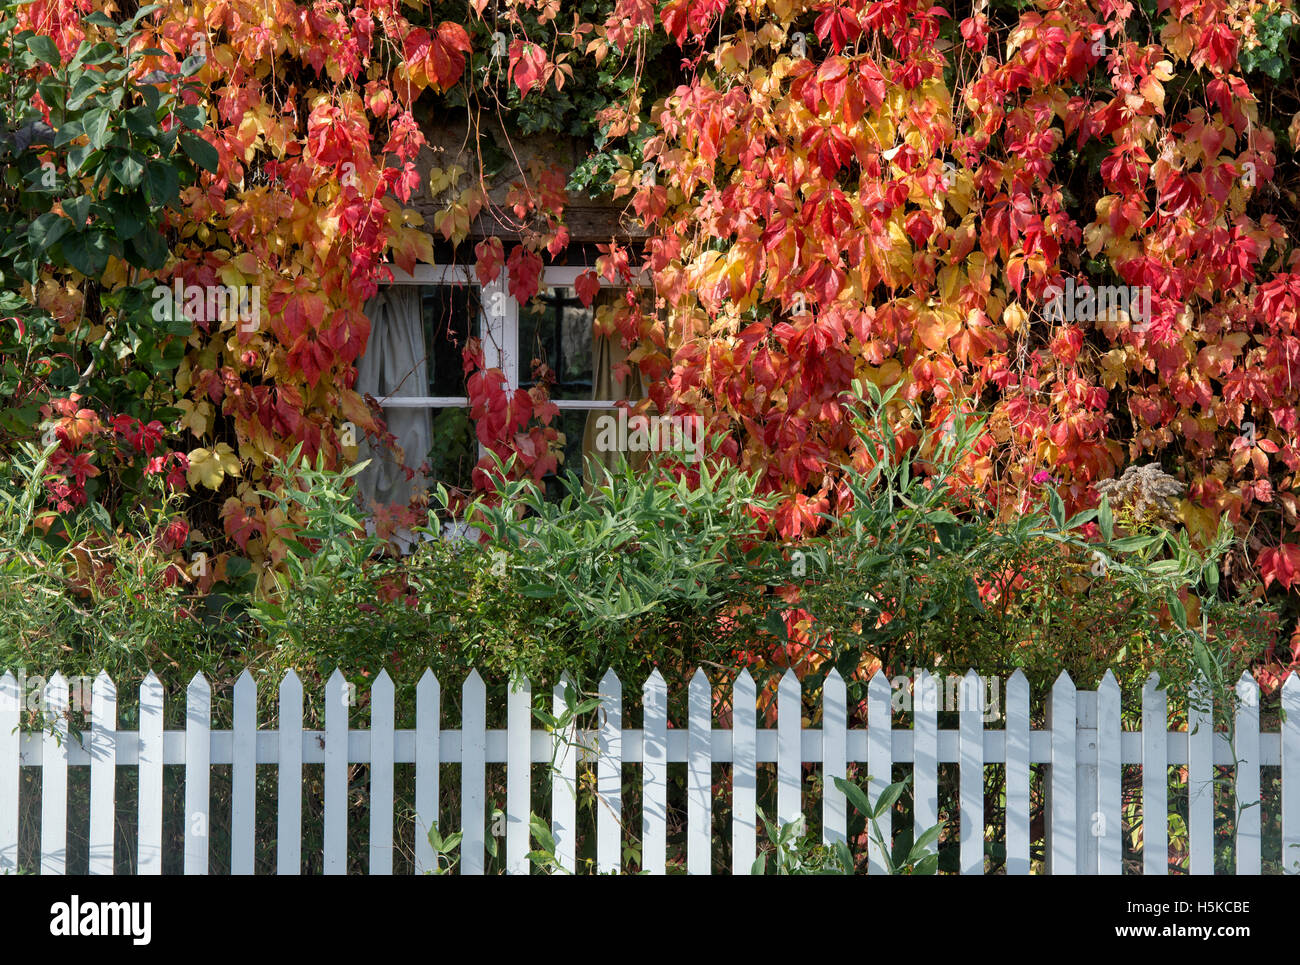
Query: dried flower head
x=1146 y=490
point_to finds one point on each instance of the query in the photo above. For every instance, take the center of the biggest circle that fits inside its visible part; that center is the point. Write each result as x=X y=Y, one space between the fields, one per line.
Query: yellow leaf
x=1013 y=316
x=211 y=466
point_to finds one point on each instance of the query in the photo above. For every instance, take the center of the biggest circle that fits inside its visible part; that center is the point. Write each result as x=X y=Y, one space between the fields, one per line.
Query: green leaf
x=44 y=49
x=161 y=184
x=148 y=249
x=192 y=116
x=78 y=209
x=128 y=169
x=855 y=795
x=200 y=151
x=77 y=158
x=1106 y=520
x=46 y=230
x=82 y=88
x=888 y=796
x=1056 y=507
x=87 y=252
x=96 y=123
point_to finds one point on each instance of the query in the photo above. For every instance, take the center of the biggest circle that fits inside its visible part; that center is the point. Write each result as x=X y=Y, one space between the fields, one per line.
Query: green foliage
x=1272 y=56
x=92 y=181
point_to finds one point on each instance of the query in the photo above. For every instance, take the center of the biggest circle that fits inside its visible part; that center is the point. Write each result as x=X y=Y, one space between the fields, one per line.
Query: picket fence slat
x=103 y=774
x=835 y=751
x=744 y=773
x=54 y=779
x=925 y=755
x=564 y=781
x=288 y=843
x=382 y=699
x=1062 y=831
x=971 y=790
x=243 y=776
x=880 y=767
x=519 y=716
x=1155 y=778
x=428 y=700
x=789 y=753
x=10 y=740
x=150 y=829
x=1017 y=774
x=654 y=776
x=473 y=773
x=1247 y=784
x=1200 y=784
x=609 y=777
x=1083 y=746
x=198 y=753
x=699 y=777
x=335 y=831
x=1290 y=774
x=1108 y=827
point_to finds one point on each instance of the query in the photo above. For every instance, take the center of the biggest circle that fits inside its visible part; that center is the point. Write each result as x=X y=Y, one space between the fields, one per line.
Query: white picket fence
x=1083 y=744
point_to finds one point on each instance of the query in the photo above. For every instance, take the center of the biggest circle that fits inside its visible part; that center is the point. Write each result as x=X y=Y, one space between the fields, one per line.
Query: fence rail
x=1083 y=747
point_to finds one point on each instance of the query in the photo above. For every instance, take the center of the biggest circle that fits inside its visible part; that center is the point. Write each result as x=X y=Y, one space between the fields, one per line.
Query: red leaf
x=527 y=61
x=588 y=286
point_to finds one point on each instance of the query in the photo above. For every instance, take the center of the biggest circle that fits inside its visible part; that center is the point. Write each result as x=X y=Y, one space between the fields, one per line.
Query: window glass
x=556 y=328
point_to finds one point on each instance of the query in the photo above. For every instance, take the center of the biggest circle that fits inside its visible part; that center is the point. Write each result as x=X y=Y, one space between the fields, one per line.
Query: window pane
x=447 y=310
x=455 y=449
x=556 y=328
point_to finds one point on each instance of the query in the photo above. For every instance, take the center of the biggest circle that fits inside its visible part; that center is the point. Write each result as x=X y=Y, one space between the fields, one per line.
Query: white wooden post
x=519 y=727
x=971 y=736
x=472 y=773
x=1062 y=817
x=654 y=776
x=609 y=778
x=1200 y=782
x=880 y=765
x=1087 y=818
x=1017 y=772
x=149 y=828
x=428 y=706
x=10 y=739
x=925 y=742
x=835 y=721
x=335 y=845
x=1109 y=823
x=744 y=773
x=1155 y=778
x=103 y=773
x=54 y=779
x=243 y=776
x=198 y=767
x=1290 y=773
x=288 y=844
x=1247 y=783
x=699 y=777
x=382 y=704
x=564 y=782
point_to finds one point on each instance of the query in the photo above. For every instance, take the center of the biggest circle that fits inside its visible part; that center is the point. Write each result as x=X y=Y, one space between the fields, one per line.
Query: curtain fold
x=395 y=364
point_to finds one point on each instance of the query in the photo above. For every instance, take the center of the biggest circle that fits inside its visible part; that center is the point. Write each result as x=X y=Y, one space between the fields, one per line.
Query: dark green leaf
x=44 y=49
x=200 y=151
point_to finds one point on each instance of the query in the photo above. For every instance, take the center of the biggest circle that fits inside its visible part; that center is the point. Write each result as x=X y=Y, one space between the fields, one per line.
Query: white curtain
x=395 y=365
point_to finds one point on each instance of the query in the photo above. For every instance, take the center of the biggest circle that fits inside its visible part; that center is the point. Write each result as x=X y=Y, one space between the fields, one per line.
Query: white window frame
x=499 y=336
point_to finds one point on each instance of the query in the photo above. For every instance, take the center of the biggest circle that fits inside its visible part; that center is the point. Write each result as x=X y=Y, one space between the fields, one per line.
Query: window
x=413 y=367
